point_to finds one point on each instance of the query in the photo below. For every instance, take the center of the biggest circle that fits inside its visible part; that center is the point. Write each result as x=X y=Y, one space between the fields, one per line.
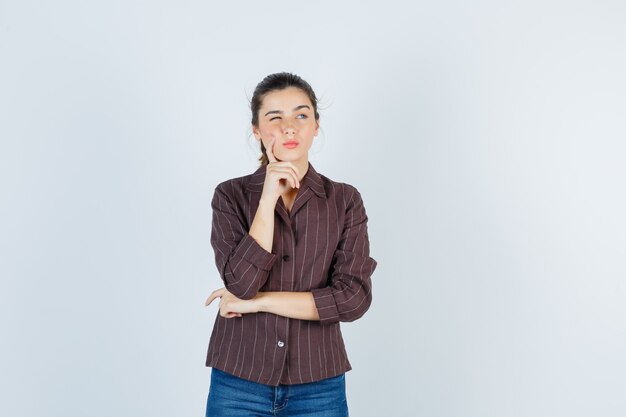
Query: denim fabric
x=231 y=396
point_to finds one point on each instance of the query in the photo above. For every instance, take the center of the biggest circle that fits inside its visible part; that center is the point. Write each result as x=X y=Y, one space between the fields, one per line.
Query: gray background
x=487 y=139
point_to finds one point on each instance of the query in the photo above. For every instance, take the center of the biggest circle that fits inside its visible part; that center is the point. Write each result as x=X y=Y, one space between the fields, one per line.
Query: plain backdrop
x=487 y=139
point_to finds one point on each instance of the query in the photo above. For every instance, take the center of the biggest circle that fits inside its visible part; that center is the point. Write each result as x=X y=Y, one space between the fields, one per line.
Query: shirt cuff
x=256 y=254
x=326 y=306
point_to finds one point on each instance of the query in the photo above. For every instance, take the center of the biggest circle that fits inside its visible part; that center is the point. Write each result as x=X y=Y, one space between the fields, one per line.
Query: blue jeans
x=231 y=396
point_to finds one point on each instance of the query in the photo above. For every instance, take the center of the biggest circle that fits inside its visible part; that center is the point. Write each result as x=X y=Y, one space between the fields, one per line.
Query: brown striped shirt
x=320 y=246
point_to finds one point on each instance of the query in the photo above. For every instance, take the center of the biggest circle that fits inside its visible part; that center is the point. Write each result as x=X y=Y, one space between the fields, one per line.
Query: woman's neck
x=303 y=167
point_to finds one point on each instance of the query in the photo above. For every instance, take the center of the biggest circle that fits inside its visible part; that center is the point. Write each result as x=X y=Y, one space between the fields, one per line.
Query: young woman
x=291 y=246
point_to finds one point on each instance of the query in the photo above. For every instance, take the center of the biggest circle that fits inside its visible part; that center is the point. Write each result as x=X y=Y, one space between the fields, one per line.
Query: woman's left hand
x=231 y=306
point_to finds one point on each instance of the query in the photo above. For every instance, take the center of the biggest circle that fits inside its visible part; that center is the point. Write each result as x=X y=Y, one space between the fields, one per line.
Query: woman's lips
x=290 y=144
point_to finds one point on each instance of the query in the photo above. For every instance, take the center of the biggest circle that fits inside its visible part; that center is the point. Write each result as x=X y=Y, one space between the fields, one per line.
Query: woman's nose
x=289 y=130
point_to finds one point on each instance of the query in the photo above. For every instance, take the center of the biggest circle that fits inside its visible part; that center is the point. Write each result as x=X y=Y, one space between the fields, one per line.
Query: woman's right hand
x=280 y=176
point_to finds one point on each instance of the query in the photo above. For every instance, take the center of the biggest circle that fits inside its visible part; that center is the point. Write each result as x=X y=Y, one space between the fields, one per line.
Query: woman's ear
x=256 y=132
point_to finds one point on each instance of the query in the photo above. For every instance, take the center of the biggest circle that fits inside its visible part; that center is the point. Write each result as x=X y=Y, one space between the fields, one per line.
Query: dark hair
x=274 y=82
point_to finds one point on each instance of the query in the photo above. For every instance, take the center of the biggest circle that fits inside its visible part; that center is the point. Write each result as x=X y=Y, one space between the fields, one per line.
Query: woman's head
x=284 y=107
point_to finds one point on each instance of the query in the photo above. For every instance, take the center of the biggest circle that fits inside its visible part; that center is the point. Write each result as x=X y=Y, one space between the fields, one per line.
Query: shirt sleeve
x=349 y=294
x=242 y=263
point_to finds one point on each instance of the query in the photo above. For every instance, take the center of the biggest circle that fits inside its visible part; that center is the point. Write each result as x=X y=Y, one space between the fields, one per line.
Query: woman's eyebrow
x=294 y=109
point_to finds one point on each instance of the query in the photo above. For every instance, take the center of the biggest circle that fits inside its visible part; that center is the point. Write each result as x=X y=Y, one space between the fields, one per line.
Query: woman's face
x=288 y=116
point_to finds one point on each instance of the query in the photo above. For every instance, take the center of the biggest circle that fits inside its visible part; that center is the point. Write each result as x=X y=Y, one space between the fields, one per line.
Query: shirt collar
x=311 y=179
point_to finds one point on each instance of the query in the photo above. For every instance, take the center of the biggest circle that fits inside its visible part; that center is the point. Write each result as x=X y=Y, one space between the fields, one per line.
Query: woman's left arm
x=295 y=305
x=348 y=296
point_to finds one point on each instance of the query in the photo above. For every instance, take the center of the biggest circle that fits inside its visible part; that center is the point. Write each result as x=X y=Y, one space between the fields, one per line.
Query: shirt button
x=285 y=257
x=281 y=343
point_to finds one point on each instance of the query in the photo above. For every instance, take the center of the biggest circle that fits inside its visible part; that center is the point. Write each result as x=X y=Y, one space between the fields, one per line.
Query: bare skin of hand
x=231 y=306
x=280 y=177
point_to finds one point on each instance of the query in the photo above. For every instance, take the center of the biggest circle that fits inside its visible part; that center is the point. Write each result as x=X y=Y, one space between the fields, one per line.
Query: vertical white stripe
x=250 y=216
x=332 y=343
x=286 y=228
x=264 y=348
x=298 y=341
x=339 y=355
x=219 y=350
x=324 y=350
x=281 y=254
x=243 y=359
x=240 y=337
x=216 y=330
x=229 y=325
x=300 y=279
x=256 y=331
x=319 y=353
x=273 y=364
x=313 y=264
x=241 y=228
x=308 y=331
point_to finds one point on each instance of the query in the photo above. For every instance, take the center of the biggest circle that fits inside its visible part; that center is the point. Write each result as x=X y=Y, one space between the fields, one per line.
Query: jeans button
x=281 y=343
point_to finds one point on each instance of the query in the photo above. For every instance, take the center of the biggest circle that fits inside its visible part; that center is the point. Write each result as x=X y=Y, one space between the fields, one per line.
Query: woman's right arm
x=262 y=228
x=243 y=264
x=244 y=257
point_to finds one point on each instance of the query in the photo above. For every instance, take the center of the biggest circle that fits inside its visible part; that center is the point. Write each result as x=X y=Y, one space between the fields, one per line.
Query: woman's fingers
x=292 y=166
x=270 y=151
x=214 y=295
x=286 y=171
x=272 y=158
x=280 y=170
x=287 y=175
x=220 y=293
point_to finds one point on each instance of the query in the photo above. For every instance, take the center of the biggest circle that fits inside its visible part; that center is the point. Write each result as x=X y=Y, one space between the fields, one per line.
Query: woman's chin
x=289 y=158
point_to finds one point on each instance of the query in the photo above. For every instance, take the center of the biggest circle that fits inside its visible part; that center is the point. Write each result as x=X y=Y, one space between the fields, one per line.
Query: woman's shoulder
x=347 y=198
x=242 y=183
x=239 y=187
x=342 y=191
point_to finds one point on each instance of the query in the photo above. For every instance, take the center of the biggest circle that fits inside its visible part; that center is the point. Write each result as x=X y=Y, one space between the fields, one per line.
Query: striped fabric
x=321 y=246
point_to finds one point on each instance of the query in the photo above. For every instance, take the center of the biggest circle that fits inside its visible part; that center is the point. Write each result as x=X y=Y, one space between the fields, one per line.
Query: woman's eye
x=278 y=117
